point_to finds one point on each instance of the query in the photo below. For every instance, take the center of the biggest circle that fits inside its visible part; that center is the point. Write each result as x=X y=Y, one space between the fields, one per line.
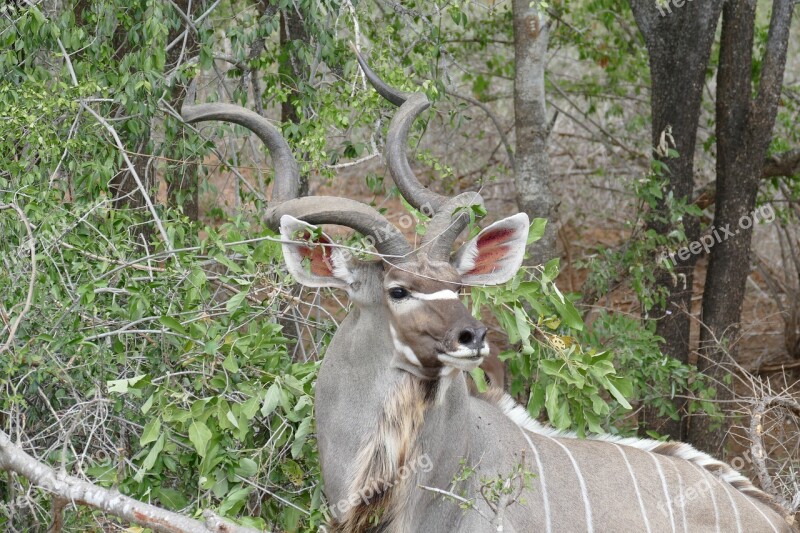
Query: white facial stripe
x=404 y=350
x=446 y=372
x=440 y=295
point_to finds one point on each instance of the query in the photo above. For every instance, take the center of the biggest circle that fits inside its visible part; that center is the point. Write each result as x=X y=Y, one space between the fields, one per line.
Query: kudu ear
x=495 y=254
x=315 y=264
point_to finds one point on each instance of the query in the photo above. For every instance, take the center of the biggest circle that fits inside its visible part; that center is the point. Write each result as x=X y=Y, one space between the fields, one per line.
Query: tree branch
x=757 y=443
x=469 y=504
x=132 y=169
x=778 y=367
x=77 y=491
x=769 y=88
x=197 y=21
x=494 y=120
x=783 y=164
x=29 y=299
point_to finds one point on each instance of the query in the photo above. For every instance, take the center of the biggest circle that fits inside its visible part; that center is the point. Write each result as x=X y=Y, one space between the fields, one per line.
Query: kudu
x=394 y=417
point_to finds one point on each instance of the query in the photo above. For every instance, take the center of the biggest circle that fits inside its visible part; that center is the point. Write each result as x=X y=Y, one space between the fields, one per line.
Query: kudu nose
x=472 y=337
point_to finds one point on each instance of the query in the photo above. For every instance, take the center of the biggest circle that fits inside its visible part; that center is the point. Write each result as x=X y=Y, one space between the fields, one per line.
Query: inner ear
x=316 y=263
x=316 y=256
x=495 y=254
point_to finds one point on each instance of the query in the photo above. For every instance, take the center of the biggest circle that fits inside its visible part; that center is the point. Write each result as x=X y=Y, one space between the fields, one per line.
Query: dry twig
x=76 y=491
x=29 y=299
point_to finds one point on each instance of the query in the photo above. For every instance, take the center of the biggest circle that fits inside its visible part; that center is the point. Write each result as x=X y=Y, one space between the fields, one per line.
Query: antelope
x=395 y=422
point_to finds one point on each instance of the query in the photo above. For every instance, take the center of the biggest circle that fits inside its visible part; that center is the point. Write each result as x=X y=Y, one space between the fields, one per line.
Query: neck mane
x=381 y=488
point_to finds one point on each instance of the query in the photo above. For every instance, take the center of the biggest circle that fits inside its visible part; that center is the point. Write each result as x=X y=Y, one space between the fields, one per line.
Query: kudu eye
x=398 y=293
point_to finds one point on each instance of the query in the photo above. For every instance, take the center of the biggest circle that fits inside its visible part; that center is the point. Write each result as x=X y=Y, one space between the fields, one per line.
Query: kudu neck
x=359 y=384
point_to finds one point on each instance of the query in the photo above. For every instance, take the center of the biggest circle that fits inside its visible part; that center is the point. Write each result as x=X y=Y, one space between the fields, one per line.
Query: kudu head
x=432 y=332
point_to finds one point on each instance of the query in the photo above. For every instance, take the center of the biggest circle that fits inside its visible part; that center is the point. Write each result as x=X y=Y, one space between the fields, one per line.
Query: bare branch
x=778 y=165
x=769 y=88
x=197 y=21
x=778 y=367
x=353 y=163
x=636 y=154
x=77 y=491
x=29 y=299
x=132 y=169
x=447 y=494
x=782 y=164
x=68 y=62
x=495 y=121
x=757 y=442
x=57 y=511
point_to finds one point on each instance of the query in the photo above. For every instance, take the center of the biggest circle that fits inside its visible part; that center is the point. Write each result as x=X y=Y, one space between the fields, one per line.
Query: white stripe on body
x=706 y=474
x=584 y=492
x=681 y=497
x=665 y=489
x=636 y=487
x=545 y=501
x=735 y=510
x=725 y=475
x=751 y=502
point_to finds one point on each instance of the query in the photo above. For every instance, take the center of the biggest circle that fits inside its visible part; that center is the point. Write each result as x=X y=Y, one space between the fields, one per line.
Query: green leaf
x=293 y=471
x=536 y=400
x=236 y=301
x=271 y=399
x=199 y=434
x=121 y=386
x=247 y=467
x=171 y=498
x=557 y=408
x=229 y=364
x=250 y=408
x=599 y=406
x=146 y=406
x=151 y=431
x=151 y=458
x=551 y=268
x=228 y=263
x=235 y=499
x=567 y=311
x=617 y=394
x=480 y=379
x=230 y=417
x=211 y=346
x=536 y=231
x=522 y=326
x=300 y=437
x=172 y=324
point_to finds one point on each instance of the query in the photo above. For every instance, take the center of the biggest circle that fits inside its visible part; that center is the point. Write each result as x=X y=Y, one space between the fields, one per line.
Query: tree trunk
x=123 y=188
x=181 y=175
x=292 y=70
x=126 y=194
x=532 y=172
x=744 y=128
x=679 y=46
